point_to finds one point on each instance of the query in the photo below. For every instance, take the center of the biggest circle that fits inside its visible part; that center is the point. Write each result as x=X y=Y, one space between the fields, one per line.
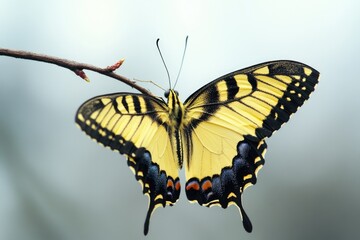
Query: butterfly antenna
x=182 y=60
x=162 y=58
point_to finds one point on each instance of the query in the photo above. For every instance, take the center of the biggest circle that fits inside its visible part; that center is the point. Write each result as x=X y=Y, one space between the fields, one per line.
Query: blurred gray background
x=55 y=183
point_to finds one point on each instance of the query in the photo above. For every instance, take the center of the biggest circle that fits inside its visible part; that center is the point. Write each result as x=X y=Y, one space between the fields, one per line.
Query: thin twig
x=76 y=67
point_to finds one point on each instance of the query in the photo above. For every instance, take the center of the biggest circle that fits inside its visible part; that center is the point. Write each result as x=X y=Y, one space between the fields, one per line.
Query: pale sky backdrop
x=56 y=183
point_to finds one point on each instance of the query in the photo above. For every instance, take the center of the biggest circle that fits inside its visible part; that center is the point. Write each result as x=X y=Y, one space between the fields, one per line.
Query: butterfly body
x=176 y=123
x=218 y=133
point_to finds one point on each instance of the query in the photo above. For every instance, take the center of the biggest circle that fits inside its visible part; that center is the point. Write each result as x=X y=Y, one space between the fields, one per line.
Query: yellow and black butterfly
x=218 y=133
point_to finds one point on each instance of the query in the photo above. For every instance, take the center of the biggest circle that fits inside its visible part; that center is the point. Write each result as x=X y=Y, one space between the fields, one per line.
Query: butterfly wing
x=227 y=121
x=136 y=125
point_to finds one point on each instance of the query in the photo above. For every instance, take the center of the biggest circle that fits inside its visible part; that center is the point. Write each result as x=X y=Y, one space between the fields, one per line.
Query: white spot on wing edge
x=307 y=71
x=81 y=117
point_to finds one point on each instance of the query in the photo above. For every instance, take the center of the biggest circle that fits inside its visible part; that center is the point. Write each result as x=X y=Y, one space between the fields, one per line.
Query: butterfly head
x=169 y=92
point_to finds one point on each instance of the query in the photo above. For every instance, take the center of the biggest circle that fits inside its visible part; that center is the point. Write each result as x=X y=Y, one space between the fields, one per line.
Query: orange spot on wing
x=193 y=185
x=177 y=186
x=206 y=185
x=170 y=183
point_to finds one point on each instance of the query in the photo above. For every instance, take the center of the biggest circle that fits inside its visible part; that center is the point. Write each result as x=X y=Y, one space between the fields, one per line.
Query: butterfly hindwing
x=226 y=123
x=136 y=125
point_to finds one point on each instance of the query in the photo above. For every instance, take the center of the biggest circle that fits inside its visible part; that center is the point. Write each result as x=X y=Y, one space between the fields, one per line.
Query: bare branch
x=76 y=67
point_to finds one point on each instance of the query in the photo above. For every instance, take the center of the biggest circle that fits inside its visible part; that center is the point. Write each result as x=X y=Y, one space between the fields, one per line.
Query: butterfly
x=218 y=134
